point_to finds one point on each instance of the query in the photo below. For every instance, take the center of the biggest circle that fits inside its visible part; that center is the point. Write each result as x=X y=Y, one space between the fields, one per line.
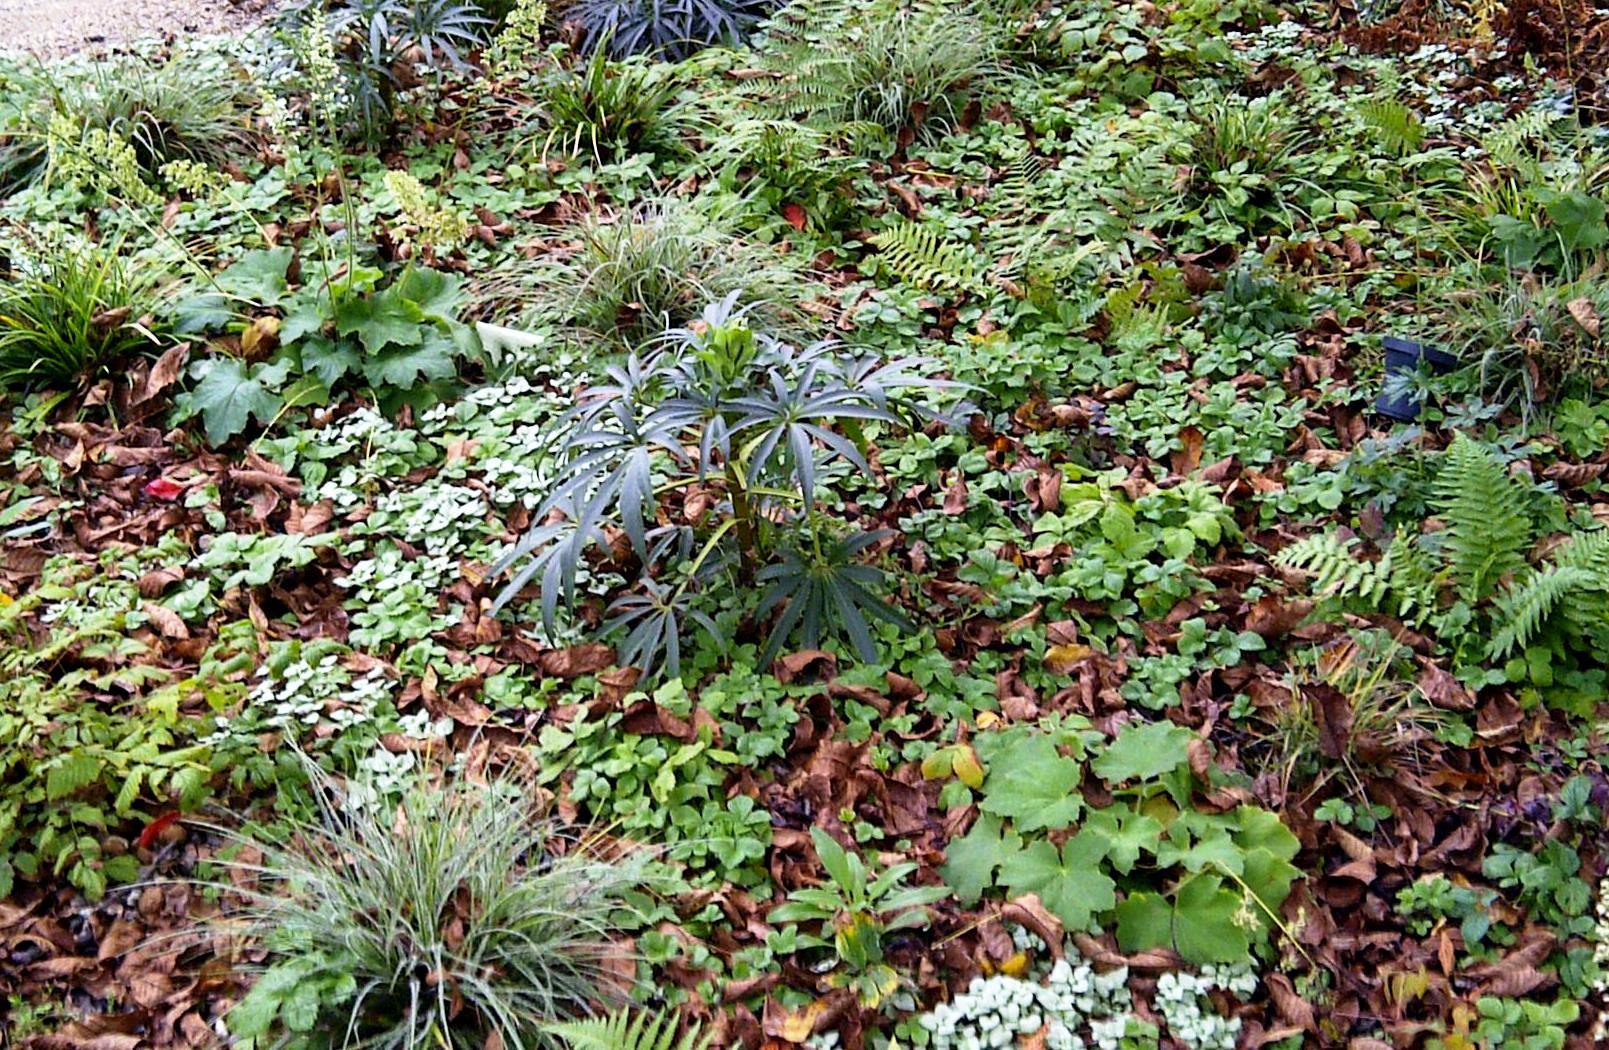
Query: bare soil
x=48 y=28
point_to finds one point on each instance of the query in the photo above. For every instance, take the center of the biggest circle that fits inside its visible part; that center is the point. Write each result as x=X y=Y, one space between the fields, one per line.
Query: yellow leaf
x=966 y=766
x=938 y=765
x=879 y=982
x=798 y=1025
x=986 y=719
x=1015 y=966
x=1061 y=659
x=260 y=337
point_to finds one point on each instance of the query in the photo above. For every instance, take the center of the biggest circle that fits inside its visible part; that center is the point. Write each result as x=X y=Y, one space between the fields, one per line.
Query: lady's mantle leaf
x=1144 y=752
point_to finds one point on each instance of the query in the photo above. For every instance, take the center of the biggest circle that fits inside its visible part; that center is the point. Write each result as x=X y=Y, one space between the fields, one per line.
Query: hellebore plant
x=741 y=424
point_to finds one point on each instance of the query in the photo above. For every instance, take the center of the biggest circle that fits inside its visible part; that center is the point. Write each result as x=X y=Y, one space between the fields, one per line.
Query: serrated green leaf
x=125 y=868
x=1144 y=921
x=329 y=359
x=1269 y=878
x=1206 y=926
x=1143 y=752
x=970 y=862
x=386 y=318
x=229 y=397
x=257 y=276
x=1071 y=883
x=1215 y=852
x=71 y=773
x=1261 y=829
x=1031 y=783
x=438 y=295
x=1127 y=834
x=405 y=366
x=305 y=316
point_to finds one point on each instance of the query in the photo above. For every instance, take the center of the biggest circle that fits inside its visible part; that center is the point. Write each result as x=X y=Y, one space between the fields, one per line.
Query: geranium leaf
x=1143 y=752
x=1070 y=883
x=971 y=861
x=1030 y=782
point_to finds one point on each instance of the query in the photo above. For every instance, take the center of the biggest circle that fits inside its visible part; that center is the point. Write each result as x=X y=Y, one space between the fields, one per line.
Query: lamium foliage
x=666 y=28
x=743 y=428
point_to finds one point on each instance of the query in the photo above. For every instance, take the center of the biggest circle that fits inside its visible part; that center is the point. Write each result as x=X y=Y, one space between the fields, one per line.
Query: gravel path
x=54 y=27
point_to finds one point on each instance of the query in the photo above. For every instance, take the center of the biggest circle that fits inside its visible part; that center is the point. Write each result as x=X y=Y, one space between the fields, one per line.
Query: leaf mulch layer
x=1570 y=38
x=137 y=948
x=136 y=973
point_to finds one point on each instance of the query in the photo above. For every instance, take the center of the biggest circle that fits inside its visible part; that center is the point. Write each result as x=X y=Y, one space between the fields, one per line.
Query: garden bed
x=883 y=530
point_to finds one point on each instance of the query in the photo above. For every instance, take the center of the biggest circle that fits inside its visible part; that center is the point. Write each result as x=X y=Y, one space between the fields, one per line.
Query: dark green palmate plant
x=671 y=29
x=743 y=425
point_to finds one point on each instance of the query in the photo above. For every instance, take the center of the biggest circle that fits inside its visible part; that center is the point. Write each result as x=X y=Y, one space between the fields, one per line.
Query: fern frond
x=1410 y=577
x=1402 y=579
x=1488 y=523
x=1522 y=610
x=1587 y=612
x=1017 y=188
x=922 y=257
x=627 y=1029
x=1513 y=142
x=1120 y=304
x=1395 y=124
x=1330 y=559
x=1587 y=550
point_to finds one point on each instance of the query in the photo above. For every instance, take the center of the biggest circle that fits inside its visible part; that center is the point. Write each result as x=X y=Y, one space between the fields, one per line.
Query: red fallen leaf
x=148 y=837
x=795 y=215
x=164 y=489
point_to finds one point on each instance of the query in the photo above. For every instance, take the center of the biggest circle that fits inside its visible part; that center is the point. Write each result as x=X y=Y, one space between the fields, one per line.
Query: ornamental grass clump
x=67 y=314
x=631 y=276
x=448 y=920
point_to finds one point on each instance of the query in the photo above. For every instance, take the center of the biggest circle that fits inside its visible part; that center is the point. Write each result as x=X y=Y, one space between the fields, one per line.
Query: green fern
x=1515 y=142
x=1395 y=124
x=1488 y=523
x=1523 y=609
x=1411 y=578
x=923 y=258
x=1402 y=580
x=1587 y=611
x=627 y=1029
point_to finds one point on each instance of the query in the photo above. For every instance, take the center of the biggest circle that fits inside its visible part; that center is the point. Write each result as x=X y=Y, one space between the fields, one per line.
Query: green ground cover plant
x=652 y=526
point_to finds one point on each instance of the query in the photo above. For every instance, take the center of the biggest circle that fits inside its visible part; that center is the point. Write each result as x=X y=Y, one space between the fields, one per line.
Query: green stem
x=743 y=520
